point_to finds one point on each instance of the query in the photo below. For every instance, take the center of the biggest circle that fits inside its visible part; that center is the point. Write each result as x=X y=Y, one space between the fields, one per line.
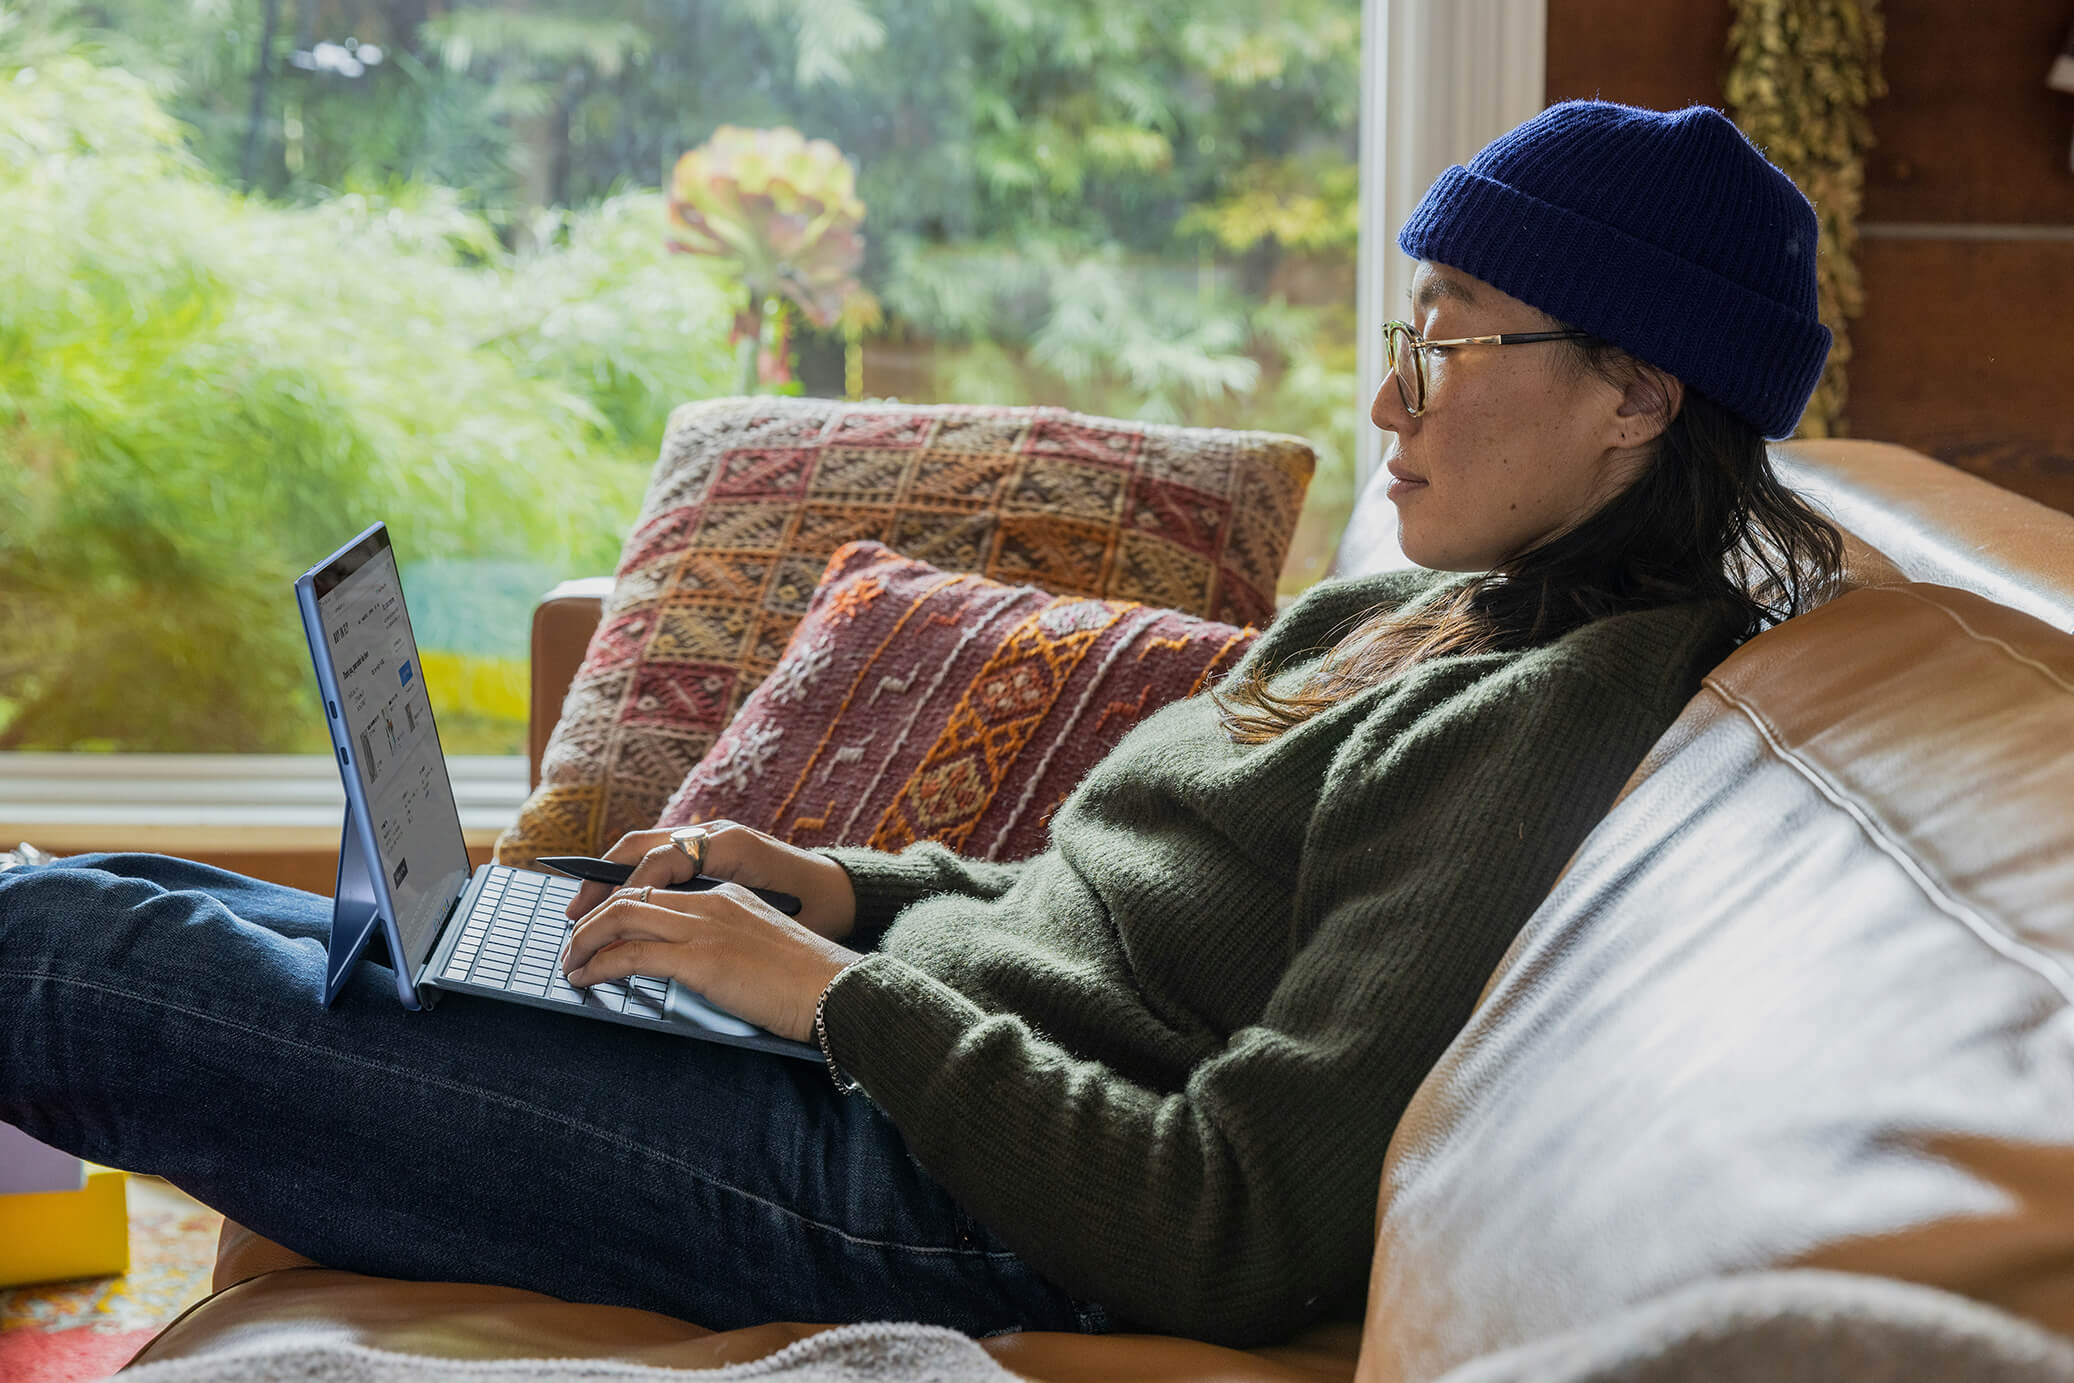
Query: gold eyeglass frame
x=1418 y=346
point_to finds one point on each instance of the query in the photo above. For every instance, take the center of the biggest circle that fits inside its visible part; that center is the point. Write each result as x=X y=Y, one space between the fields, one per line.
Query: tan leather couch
x=1801 y=1000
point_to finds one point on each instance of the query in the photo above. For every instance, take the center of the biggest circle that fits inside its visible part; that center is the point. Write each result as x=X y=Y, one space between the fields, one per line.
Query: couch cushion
x=751 y=496
x=1801 y=1000
x=919 y=704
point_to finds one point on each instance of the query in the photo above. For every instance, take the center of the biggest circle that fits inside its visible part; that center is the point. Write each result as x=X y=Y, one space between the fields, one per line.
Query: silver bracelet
x=843 y=1084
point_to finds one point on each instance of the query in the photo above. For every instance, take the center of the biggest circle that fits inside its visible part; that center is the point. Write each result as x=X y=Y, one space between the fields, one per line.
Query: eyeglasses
x=1402 y=345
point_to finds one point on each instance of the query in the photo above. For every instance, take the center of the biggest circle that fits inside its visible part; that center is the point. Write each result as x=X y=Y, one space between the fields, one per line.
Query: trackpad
x=687 y=1007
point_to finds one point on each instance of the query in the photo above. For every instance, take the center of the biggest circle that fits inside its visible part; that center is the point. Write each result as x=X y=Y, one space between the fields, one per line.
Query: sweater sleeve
x=1240 y=1207
x=885 y=883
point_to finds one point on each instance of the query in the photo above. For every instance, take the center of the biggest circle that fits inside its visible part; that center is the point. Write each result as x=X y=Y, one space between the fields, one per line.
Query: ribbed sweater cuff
x=884 y=884
x=890 y=1027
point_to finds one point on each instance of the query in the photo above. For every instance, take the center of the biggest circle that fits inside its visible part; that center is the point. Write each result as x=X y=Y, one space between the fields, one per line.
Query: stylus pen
x=612 y=872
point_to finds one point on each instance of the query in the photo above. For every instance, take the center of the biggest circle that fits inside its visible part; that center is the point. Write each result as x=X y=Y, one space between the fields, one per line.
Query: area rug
x=69 y=1332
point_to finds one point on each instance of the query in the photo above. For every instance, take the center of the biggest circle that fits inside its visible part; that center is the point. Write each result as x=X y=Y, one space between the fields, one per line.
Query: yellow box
x=46 y=1236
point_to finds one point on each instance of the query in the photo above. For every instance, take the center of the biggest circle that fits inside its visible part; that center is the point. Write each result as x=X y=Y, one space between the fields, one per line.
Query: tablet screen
x=392 y=745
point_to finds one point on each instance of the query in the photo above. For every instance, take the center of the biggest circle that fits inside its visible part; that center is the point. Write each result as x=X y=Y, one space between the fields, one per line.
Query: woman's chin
x=1437 y=556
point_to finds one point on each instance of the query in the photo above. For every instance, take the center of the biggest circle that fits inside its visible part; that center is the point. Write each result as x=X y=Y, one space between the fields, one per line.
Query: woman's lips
x=1402 y=483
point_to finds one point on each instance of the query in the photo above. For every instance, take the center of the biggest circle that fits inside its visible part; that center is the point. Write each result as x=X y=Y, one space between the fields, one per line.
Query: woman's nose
x=1387 y=409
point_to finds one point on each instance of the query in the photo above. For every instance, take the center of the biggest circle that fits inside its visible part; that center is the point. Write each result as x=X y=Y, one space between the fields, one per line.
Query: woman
x=1148 y=1076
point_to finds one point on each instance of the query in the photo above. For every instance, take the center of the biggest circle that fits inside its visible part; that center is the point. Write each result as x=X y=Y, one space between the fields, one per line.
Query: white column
x=1439 y=80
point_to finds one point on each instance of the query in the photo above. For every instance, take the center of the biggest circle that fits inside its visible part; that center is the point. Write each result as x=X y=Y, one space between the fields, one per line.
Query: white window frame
x=166 y=802
x=1439 y=80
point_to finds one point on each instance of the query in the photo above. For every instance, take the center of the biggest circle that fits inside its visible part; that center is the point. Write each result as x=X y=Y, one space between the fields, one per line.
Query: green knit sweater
x=1163 y=1059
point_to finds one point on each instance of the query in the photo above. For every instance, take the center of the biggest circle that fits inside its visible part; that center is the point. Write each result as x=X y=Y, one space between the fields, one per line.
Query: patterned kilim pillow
x=920 y=704
x=751 y=496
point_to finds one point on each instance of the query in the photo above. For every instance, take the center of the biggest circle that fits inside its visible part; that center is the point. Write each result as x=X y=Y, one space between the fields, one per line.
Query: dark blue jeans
x=164 y=1016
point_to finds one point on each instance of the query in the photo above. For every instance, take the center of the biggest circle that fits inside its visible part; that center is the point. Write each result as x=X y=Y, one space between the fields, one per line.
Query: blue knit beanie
x=1666 y=233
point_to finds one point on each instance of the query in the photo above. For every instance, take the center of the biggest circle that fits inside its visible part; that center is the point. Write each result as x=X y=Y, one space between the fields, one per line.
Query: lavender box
x=27 y=1165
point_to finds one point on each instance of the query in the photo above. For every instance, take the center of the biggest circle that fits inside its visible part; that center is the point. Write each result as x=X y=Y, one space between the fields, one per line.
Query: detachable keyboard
x=512 y=939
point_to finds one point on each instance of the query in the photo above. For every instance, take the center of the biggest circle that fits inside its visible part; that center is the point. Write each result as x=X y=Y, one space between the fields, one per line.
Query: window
x=278 y=268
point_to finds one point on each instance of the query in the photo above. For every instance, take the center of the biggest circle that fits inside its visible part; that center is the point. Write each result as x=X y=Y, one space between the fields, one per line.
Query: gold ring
x=691 y=843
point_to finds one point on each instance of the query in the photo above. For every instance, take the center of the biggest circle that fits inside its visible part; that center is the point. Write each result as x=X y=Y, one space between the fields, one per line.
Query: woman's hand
x=730 y=946
x=742 y=855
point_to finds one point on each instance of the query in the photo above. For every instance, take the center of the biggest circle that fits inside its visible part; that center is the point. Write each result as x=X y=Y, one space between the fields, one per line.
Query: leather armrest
x=1936 y=523
x=563 y=622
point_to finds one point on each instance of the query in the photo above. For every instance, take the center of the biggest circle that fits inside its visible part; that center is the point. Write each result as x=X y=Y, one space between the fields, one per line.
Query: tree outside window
x=280 y=267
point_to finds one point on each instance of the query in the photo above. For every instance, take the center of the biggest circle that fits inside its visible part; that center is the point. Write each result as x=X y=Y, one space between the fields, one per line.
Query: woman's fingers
x=745 y=855
x=587 y=897
x=662 y=866
x=723 y=853
x=634 y=844
x=659 y=866
x=631 y=848
x=623 y=918
x=616 y=962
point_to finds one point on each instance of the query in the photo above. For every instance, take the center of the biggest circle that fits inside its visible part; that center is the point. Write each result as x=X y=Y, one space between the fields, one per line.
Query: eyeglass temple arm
x=1510 y=338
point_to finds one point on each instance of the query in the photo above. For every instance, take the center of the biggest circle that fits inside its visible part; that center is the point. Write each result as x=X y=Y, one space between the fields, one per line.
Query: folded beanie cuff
x=1657 y=306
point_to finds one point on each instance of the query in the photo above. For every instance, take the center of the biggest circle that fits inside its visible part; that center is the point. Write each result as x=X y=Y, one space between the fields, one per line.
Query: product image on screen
x=394 y=748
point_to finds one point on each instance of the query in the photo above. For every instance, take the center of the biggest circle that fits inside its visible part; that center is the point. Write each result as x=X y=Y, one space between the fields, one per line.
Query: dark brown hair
x=1708 y=520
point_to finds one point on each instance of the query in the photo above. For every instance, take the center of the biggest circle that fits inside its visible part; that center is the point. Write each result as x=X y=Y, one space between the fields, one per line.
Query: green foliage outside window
x=436 y=292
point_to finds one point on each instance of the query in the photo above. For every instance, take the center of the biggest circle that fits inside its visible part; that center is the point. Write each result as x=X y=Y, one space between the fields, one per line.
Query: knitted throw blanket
x=877 y=1352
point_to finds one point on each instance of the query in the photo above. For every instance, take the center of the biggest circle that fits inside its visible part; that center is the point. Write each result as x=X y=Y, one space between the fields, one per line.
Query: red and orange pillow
x=915 y=703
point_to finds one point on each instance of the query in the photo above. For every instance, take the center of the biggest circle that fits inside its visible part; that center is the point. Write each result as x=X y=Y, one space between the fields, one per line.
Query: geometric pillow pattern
x=919 y=704
x=751 y=496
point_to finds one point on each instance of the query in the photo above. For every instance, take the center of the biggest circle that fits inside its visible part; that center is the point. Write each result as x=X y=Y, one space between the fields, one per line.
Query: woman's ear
x=1651 y=399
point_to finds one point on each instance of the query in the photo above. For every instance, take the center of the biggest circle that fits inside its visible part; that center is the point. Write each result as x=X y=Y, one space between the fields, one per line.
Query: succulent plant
x=783 y=210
